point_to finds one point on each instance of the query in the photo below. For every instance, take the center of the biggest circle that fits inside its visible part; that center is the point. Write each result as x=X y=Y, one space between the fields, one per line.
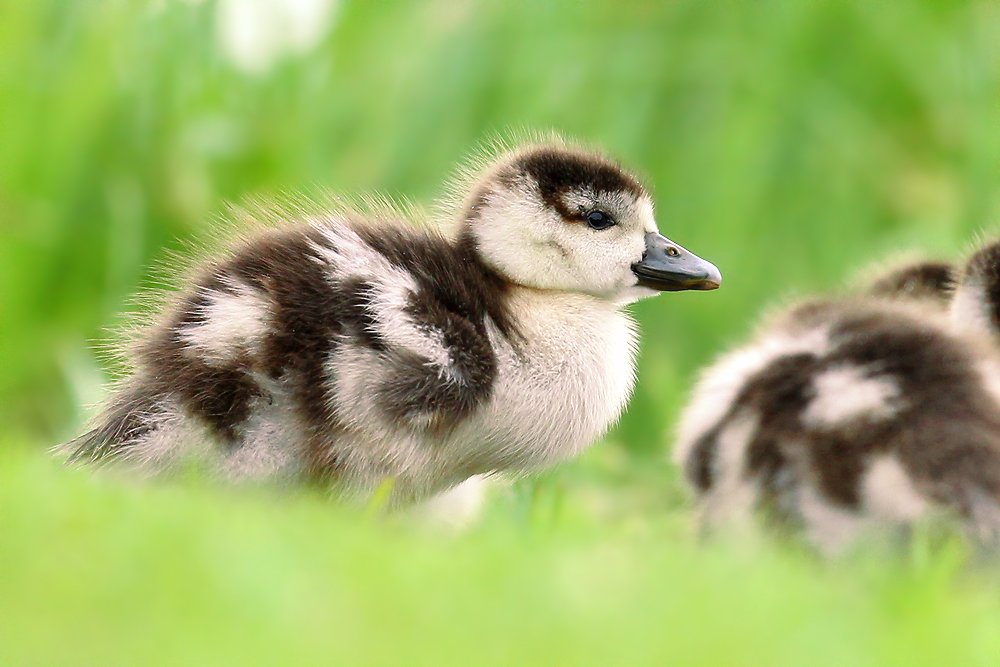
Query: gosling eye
x=599 y=220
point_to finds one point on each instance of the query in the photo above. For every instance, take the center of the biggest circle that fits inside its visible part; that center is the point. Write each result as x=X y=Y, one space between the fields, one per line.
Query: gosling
x=859 y=416
x=355 y=349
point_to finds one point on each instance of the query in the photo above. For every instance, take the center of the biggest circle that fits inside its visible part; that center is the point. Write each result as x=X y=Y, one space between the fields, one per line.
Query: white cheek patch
x=846 y=393
x=234 y=322
x=515 y=232
x=599 y=262
x=603 y=265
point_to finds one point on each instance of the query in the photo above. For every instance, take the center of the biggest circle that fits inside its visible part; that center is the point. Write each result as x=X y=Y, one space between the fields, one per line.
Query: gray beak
x=667 y=267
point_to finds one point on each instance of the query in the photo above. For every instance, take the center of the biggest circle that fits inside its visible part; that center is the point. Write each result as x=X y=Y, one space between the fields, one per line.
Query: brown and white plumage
x=861 y=414
x=354 y=349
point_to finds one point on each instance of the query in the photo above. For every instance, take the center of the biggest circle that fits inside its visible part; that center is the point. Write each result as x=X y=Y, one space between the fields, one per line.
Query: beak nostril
x=672 y=251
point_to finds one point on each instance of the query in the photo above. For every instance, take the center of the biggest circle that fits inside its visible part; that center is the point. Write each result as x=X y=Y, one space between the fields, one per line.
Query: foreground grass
x=97 y=570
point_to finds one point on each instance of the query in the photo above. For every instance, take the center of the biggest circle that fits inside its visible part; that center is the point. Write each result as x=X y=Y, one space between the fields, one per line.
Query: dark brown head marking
x=559 y=170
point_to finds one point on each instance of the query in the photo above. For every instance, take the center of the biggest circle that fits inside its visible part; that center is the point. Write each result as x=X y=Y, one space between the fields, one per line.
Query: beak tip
x=714 y=278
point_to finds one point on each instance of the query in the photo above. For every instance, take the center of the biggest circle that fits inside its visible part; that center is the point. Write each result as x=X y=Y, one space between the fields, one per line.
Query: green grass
x=96 y=571
x=788 y=142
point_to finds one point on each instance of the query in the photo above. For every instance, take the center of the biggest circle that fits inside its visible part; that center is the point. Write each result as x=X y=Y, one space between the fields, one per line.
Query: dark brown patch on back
x=282 y=268
x=784 y=382
x=357 y=294
x=457 y=295
x=310 y=314
x=221 y=396
x=451 y=275
x=918 y=281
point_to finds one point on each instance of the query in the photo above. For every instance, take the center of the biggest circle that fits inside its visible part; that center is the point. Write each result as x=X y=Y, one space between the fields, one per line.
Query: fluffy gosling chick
x=848 y=417
x=353 y=350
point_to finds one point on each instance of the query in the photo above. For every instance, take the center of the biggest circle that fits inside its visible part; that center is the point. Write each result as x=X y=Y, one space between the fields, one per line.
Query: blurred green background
x=789 y=142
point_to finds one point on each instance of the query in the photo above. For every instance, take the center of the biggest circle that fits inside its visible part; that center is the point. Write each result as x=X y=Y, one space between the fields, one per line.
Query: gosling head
x=557 y=218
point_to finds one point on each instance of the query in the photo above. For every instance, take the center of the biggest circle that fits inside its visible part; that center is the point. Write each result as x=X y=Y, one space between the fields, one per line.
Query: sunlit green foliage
x=789 y=142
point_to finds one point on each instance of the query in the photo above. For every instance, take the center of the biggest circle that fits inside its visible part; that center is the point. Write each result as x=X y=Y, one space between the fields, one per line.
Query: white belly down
x=556 y=392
